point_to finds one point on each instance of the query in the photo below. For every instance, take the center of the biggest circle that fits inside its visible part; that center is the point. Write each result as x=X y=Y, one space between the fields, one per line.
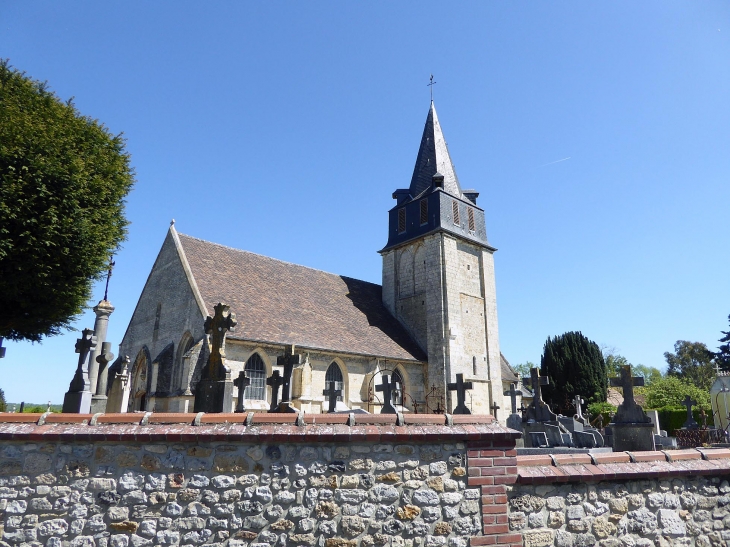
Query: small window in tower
x=471 y=219
x=455 y=211
x=424 y=211
x=401 y=220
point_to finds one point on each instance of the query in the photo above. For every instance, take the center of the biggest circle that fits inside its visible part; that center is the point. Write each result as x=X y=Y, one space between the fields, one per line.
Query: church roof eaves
x=284 y=303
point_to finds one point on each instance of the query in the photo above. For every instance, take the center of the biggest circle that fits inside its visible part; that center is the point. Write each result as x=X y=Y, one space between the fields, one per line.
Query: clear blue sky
x=283 y=128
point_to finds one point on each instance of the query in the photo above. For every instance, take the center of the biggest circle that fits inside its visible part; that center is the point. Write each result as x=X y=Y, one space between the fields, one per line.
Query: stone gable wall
x=133 y=481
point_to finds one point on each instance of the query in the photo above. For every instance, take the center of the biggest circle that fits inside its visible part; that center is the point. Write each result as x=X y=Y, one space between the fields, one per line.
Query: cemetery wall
x=254 y=480
x=644 y=499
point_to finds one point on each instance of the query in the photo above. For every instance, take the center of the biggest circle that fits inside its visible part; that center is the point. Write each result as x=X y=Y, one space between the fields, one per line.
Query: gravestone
x=215 y=388
x=332 y=393
x=387 y=388
x=690 y=422
x=242 y=382
x=275 y=381
x=631 y=428
x=105 y=356
x=514 y=420
x=461 y=387
x=577 y=402
x=78 y=397
x=287 y=362
x=494 y=408
x=539 y=417
x=119 y=392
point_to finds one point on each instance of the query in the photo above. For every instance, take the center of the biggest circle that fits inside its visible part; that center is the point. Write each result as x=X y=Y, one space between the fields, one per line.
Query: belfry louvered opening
x=455 y=211
x=424 y=211
x=470 y=213
x=401 y=220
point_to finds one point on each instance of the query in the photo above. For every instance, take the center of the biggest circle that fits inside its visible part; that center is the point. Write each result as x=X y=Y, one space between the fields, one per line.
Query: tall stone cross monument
x=538 y=410
x=78 y=397
x=632 y=428
x=215 y=389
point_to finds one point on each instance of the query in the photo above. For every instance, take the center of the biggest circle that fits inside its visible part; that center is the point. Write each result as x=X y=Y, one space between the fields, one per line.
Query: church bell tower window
x=424 y=211
x=470 y=213
x=401 y=220
x=455 y=212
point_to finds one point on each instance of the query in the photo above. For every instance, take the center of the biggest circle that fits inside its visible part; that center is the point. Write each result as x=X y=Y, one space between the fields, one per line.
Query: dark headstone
x=387 y=388
x=513 y=393
x=632 y=430
x=690 y=422
x=215 y=389
x=538 y=410
x=275 y=381
x=242 y=382
x=287 y=362
x=332 y=393
x=460 y=386
x=78 y=397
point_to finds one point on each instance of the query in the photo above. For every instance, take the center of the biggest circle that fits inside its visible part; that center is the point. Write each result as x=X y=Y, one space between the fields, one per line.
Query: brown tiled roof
x=508 y=374
x=283 y=303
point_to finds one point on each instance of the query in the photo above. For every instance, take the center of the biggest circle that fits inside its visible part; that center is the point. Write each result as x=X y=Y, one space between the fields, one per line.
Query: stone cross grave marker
x=332 y=393
x=494 y=409
x=275 y=381
x=242 y=382
x=217 y=327
x=538 y=409
x=104 y=358
x=78 y=396
x=461 y=387
x=577 y=402
x=690 y=423
x=628 y=411
x=287 y=362
x=387 y=387
x=513 y=393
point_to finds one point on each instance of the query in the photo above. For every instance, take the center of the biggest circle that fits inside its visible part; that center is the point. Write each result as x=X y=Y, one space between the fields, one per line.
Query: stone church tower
x=438 y=275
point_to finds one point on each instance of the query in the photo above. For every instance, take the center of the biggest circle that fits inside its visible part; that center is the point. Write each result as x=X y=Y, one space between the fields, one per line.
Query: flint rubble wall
x=266 y=482
x=644 y=499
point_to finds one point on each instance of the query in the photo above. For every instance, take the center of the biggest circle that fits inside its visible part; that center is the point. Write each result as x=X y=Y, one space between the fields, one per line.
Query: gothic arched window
x=334 y=374
x=400 y=387
x=256 y=372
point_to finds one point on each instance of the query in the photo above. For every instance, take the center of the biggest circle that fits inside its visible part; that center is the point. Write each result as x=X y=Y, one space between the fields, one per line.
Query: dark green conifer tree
x=575 y=366
x=722 y=356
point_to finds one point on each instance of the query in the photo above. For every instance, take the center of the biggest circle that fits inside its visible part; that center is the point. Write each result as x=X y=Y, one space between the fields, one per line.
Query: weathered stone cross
x=242 y=382
x=460 y=386
x=387 y=387
x=217 y=327
x=513 y=393
x=332 y=393
x=84 y=346
x=275 y=381
x=104 y=358
x=535 y=381
x=627 y=383
x=494 y=408
x=690 y=423
x=577 y=401
x=287 y=362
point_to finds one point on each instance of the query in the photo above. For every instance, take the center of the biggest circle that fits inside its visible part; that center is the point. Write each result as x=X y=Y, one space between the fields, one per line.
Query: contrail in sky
x=556 y=161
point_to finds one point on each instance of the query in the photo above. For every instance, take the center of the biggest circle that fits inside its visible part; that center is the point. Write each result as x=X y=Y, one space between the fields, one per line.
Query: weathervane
x=108 y=275
x=431 y=86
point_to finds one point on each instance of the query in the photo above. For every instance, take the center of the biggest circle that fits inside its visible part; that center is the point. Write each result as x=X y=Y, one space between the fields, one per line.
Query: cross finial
x=430 y=85
x=109 y=275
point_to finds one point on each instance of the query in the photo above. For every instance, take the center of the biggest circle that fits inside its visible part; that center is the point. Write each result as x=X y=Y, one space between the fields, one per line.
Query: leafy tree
x=523 y=369
x=63 y=180
x=667 y=393
x=722 y=356
x=614 y=362
x=691 y=361
x=3 y=404
x=575 y=366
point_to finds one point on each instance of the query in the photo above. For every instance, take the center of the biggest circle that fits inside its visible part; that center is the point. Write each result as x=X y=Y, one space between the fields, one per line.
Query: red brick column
x=492 y=466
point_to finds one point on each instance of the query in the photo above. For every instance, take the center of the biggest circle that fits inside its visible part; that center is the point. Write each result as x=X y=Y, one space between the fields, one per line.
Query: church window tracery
x=334 y=374
x=256 y=372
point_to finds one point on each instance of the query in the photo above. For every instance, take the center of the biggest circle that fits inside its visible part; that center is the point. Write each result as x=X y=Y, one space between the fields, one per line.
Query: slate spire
x=433 y=156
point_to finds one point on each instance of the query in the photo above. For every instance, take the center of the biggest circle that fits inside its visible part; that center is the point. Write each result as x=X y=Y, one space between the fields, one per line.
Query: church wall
x=168 y=287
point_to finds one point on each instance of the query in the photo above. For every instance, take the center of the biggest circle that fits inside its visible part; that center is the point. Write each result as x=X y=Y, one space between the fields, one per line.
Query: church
x=435 y=315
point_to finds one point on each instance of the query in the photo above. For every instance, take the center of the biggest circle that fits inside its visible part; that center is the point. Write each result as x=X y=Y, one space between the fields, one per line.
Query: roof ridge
x=276 y=259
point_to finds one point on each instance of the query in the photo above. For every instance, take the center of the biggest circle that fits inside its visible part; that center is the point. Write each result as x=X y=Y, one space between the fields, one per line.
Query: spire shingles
x=433 y=156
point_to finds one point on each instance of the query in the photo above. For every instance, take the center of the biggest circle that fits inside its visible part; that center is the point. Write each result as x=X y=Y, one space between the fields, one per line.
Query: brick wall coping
x=252 y=427
x=551 y=468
